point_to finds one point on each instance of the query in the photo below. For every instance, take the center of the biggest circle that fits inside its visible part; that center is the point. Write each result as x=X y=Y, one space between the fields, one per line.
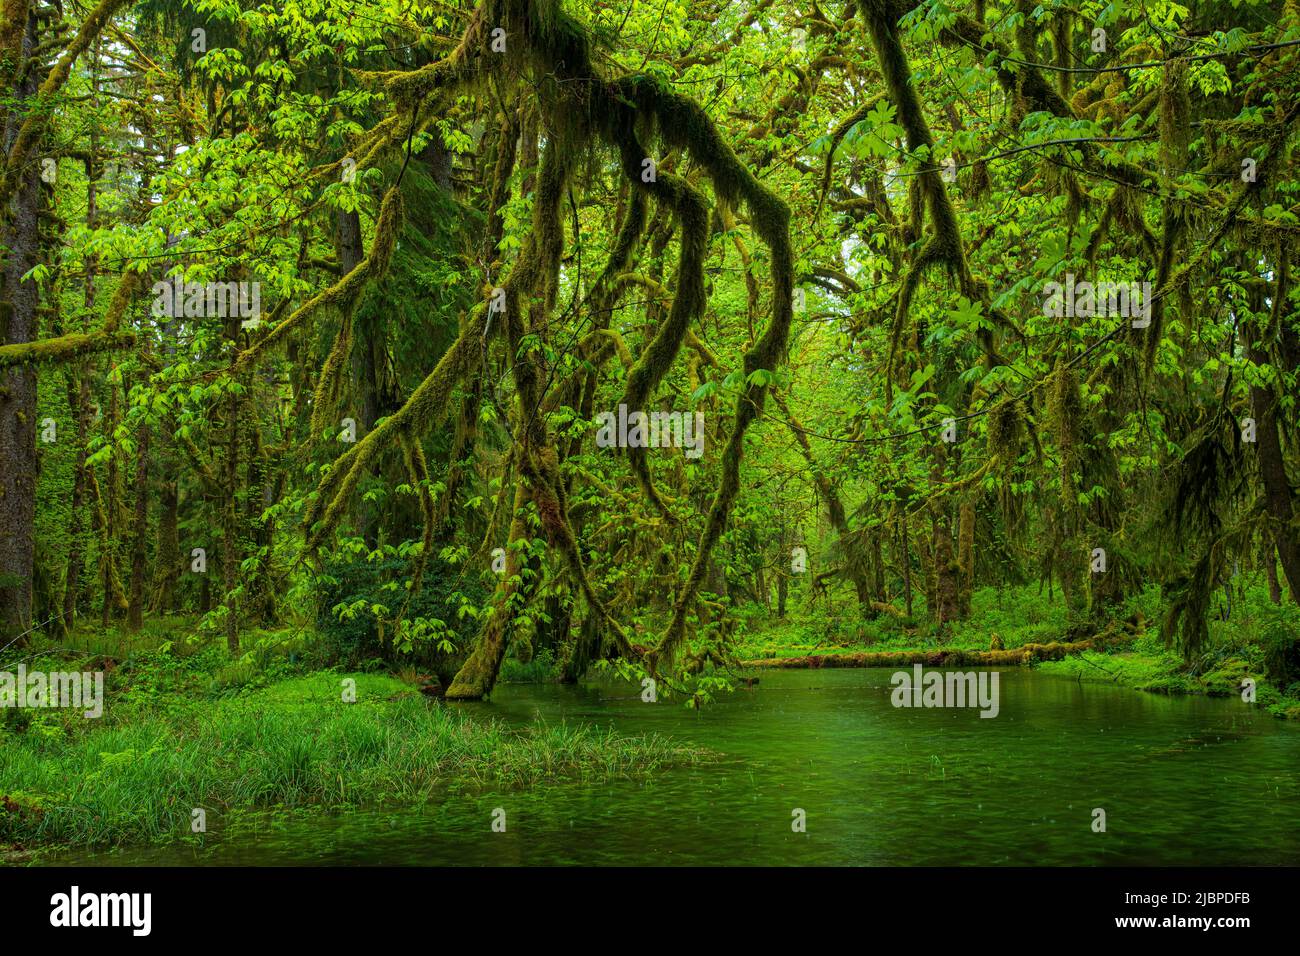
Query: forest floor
x=186 y=728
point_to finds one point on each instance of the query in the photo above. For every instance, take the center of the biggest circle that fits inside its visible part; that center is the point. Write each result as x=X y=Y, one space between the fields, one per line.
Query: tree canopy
x=473 y=328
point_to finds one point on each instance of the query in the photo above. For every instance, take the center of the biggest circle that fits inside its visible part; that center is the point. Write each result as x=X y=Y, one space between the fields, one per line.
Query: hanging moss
x=344 y=293
x=1065 y=413
x=1005 y=432
x=688 y=304
x=329 y=385
x=684 y=125
x=576 y=103
x=945 y=246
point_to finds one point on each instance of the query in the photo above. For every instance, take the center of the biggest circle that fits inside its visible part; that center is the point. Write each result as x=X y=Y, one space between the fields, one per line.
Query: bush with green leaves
x=365 y=621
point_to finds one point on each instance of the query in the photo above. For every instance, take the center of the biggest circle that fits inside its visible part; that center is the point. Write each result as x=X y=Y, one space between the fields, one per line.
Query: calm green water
x=1183 y=781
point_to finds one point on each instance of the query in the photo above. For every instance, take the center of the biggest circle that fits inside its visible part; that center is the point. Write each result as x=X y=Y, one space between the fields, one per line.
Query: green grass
x=137 y=777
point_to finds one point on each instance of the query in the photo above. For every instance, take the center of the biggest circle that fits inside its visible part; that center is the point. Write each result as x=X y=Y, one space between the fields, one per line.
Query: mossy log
x=948 y=657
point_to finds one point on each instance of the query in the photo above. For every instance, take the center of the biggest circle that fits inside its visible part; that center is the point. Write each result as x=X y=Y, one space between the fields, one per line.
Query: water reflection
x=1183 y=781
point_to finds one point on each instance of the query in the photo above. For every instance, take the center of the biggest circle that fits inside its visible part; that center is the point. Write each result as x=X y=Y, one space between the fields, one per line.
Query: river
x=1182 y=781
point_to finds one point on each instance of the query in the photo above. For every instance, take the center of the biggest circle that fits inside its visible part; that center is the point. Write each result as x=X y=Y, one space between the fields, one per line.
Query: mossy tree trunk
x=903 y=557
x=79 y=406
x=79 y=391
x=966 y=553
x=478 y=675
x=855 y=564
x=167 y=558
x=230 y=549
x=140 y=529
x=1278 y=496
x=947 y=571
x=365 y=373
x=1270 y=572
x=110 y=502
x=19 y=234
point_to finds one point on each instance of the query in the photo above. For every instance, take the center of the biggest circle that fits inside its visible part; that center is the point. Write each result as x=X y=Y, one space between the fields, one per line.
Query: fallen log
x=945 y=657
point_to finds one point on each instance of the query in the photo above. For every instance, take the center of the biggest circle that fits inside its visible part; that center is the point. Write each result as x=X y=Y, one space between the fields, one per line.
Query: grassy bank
x=1148 y=666
x=1240 y=644
x=178 y=735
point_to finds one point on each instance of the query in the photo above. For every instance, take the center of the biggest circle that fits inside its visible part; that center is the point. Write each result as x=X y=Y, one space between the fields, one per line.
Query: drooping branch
x=578 y=104
x=342 y=294
x=688 y=303
x=684 y=124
